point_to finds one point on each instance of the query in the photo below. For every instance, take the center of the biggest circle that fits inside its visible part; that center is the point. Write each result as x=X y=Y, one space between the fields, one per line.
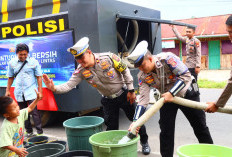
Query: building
x=216 y=47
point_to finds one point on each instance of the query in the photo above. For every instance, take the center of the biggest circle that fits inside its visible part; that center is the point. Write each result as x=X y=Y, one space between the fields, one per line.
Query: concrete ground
x=219 y=124
x=214 y=75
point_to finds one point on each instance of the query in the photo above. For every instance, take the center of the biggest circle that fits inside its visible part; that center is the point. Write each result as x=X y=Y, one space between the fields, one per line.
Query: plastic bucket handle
x=104 y=149
x=44 y=141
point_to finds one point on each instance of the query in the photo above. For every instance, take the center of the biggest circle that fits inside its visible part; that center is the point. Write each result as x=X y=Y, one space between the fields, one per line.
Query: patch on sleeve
x=87 y=74
x=111 y=74
x=176 y=66
x=115 y=57
x=150 y=80
x=105 y=64
x=158 y=64
x=171 y=61
x=77 y=71
x=97 y=60
x=140 y=82
x=118 y=64
x=197 y=43
x=172 y=76
x=191 y=42
x=92 y=83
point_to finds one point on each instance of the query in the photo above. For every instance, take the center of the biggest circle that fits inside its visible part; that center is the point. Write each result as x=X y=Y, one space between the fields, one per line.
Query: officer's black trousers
x=111 y=113
x=35 y=115
x=192 y=71
x=196 y=119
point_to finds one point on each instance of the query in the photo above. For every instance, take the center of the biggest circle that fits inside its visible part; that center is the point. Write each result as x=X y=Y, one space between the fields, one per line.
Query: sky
x=185 y=9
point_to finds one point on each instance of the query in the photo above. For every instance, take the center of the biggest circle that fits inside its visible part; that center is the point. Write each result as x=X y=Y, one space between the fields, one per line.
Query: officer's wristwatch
x=131 y=91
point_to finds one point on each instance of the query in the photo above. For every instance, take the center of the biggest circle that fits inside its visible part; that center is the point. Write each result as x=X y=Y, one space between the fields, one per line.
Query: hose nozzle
x=127 y=138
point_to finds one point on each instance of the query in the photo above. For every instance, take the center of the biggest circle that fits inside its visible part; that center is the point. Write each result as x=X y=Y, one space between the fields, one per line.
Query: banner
x=50 y=51
x=168 y=44
x=34 y=26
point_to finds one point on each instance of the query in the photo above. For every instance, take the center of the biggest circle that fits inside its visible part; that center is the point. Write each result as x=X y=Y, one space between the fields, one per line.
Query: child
x=12 y=130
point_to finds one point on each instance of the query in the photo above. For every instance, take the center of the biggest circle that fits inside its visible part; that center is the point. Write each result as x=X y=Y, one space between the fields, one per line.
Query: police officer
x=221 y=102
x=193 y=50
x=171 y=77
x=224 y=97
x=112 y=79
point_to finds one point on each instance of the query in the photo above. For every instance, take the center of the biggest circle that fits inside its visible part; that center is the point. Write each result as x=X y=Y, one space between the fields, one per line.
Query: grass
x=204 y=83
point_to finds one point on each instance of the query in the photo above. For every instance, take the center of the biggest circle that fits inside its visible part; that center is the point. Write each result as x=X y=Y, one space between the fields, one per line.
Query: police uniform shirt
x=221 y=102
x=108 y=75
x=173 y=69
x=193 y=50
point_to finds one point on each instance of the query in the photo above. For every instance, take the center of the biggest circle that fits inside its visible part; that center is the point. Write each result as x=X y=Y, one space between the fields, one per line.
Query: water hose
x=147 y=115
x=200 y=105
x=177 y=100
x=133 y=43
x=143 y=119
x=134 y=40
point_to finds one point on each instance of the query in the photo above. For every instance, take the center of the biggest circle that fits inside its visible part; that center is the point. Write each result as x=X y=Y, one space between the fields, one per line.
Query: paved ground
x=219 y=124
x=215 y=75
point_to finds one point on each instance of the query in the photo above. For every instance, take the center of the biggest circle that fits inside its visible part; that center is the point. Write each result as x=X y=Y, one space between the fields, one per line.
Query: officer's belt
x=113 y=96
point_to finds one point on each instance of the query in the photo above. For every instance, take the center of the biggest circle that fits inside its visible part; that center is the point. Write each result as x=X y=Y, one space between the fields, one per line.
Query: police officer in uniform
x=193 y=50
x=171 y=77
x=112 y=79
x=224 y=97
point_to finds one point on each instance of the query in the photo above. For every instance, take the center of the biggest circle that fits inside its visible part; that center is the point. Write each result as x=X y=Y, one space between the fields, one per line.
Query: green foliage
x=204 y=83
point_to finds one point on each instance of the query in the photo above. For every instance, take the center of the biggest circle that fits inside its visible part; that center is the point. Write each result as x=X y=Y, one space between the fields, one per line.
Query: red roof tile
x=212 y=25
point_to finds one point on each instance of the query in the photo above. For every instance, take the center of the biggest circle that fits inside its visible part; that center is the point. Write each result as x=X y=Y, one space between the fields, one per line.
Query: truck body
x=49 y=27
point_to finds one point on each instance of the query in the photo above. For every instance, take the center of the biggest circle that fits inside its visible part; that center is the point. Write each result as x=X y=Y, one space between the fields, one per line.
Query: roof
x=206 y=26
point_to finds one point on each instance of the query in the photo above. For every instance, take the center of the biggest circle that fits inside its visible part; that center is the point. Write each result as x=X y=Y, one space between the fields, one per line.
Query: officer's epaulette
x=139 y=75
x=102 y=56
x=118 y=64
x=196 y=41
x=164 y=55
x=195 y=38
x=105 y=54
x=78 y=69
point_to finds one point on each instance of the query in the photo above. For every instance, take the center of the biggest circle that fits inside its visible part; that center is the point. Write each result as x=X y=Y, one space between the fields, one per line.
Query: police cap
x=136 y=57
x=80 y=47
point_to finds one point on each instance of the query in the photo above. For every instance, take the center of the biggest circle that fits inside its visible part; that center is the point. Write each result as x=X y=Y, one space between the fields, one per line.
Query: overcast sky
x=184 y=9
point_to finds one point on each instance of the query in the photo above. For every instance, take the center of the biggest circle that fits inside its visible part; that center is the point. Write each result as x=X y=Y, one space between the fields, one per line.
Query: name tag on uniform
x=111 y=74
x=105 y=65
x=87 y=74
x=149 y=79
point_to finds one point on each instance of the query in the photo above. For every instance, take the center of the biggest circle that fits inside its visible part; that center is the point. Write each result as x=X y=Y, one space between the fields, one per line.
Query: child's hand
x=21 y=152
x=35 y=102
x=39 y=95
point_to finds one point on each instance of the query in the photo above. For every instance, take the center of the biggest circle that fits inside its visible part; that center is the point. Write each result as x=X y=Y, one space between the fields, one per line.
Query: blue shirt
x=26 y=80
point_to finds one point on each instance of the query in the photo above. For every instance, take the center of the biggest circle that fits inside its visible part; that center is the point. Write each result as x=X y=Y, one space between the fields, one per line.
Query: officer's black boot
x=145 y=148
